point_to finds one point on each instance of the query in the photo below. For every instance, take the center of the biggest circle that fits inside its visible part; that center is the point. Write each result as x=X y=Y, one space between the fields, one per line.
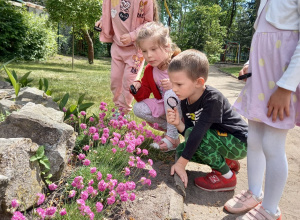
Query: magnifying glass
x=172 y=102
x=97 y=29
x=133 y=90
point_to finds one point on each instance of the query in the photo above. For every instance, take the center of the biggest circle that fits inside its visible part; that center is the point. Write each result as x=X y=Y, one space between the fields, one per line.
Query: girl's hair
x=160 y=34
x=155 y=11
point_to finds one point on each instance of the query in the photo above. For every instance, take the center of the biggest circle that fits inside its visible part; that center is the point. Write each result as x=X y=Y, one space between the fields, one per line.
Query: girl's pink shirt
x=112 y=25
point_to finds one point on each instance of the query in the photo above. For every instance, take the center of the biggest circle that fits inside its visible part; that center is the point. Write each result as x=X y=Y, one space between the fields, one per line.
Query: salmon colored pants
x=126 y=67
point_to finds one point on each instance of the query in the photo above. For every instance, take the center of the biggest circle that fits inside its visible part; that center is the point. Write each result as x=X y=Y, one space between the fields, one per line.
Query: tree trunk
x=89 y=41
x=232 y=15
x=73 y=42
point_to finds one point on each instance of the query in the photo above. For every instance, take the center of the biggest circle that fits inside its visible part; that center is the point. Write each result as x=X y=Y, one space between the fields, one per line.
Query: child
x=214 y=134
x=120 y=22
x=271 y=92
x=157 y=48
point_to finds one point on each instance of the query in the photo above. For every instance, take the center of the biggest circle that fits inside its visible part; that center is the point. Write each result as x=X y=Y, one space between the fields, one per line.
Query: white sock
x=228 y=175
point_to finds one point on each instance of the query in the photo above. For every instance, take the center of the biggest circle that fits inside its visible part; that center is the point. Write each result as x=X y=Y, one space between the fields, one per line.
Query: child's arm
x=173 y=118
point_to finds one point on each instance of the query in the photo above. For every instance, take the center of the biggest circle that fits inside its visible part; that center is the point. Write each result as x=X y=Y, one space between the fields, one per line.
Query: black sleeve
x=211 y=113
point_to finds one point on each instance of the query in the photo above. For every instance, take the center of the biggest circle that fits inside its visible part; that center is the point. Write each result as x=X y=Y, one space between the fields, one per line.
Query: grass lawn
x=232 y=70
x=93 y=80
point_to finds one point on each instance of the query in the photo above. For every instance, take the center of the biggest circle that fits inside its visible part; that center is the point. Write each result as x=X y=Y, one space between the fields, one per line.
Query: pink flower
x=83 y=113
x=144 y=123
x=142 y=180
x=41 y=198
x=14 y=203
x=140 y=164
x=99 y=175
x=64 y=109
x=96 y=137
x=148 y=181
x=72 y=193
x=90 y=189
x=92 y=130
x=124 y=196
x=152 y=173
x=93 y=169
x=63 y=212
x=130 y=185
x=18 y=216
x=127 y=171
x=121 y=188
x=41 y=212
x=102 y=185
x=103 y=140
x=145 y=151
x=81 y=156
x=150 y=162
x=109 y=176
x=52 y=186
x=121 y=144
x=83 y=126
x=105 y=130
x=50 y=211
x=112 y=193
x=114 y=150
x=84 y=195
x=80 y=202
x=91 y=182
x=132 y=197
x=138 y=151
x=91 y=119
x=111 y=200
x=86 y=148
x=155 y=125
x=131 y=163
x=99 y=207
x=86 y=162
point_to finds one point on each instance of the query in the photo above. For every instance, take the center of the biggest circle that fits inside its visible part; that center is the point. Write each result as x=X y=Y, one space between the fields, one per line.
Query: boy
x=214 y=134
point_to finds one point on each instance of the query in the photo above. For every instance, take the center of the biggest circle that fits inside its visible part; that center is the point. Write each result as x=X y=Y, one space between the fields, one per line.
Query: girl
x=270 y=100
x=120 y=22
x=157 y=48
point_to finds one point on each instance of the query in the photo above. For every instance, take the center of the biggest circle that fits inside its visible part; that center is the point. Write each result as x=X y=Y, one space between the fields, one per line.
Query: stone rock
x=5 y=85
x=31 y=94
x=7 y=105
x=43 y=126
x=20 y=179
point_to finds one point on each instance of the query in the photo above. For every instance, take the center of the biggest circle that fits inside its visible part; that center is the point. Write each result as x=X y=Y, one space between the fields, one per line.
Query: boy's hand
x=179 y=168
x=244 y=71
x=98 y=24
x=173 y=117
x=137 y=85
x=166 y=84
x=279 y=103
x=125 y=39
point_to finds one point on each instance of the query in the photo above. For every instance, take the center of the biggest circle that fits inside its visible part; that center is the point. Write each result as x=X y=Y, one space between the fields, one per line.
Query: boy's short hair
x=193 y=62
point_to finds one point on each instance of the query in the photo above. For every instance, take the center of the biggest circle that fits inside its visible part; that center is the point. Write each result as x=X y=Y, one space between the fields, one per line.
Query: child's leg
x=132 y=70
x=214 y=148
x=117 y=71
x=142 y=111
x=171 y=129
x=276 y=166
x=256 y=162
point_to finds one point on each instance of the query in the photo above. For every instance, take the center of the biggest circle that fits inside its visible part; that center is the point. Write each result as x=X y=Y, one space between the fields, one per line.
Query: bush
x=24 y=35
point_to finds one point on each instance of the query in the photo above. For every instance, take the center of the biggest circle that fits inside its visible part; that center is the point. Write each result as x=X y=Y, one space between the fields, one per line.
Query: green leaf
x=49 y=176
x=24 y=77
x=80 y=100
x=13 y=81
x=48 y=181
x=15 y=75
x=41 y=84
x=33 y=158
x=45 y=162
x=64 y=101
x=56 y=99
x=48 y=92
x=40 y=152
x=46 y=84
x=72 y=108
x=84 y=106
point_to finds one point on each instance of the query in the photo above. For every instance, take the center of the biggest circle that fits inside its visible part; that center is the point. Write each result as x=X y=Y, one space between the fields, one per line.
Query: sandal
x=243 y=202
x=259 y=213
x=167 y=144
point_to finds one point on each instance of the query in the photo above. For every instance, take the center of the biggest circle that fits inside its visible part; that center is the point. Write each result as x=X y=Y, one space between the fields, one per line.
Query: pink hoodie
x=122 y=17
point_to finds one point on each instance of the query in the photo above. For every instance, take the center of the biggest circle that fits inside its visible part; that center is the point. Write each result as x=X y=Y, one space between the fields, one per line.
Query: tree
x=80 y=14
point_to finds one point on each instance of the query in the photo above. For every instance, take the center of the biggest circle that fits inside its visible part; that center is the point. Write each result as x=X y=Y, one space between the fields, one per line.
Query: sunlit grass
x=232 y=70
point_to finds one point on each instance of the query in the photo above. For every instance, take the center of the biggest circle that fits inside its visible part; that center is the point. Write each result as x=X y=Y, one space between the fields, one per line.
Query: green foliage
x=43 y=160
x=13 y=81
x=23 y=80
x=24 y=35
x=44 y=83
x=73 y=109
x=202 y=30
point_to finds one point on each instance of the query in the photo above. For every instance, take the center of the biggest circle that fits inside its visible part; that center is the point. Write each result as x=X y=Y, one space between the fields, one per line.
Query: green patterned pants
x=214 y=148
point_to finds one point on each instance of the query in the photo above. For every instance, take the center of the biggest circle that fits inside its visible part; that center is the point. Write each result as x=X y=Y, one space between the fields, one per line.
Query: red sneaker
x=234 y=165
x=214 y=181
